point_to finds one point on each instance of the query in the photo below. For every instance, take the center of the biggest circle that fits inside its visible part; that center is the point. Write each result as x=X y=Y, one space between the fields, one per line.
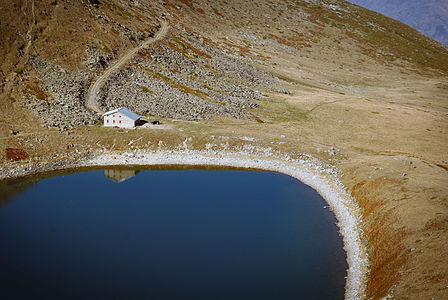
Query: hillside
x=429 y=17
x=358 y=91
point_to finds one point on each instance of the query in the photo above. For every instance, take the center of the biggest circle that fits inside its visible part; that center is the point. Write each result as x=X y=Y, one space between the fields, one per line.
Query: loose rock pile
x=188 y=80
x=62 y=117
x=65 y=108
x=180 y=77
x=96 y=59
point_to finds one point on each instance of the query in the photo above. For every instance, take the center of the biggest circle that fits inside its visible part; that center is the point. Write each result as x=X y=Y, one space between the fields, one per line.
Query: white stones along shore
x=342 y=205
x=307 y=170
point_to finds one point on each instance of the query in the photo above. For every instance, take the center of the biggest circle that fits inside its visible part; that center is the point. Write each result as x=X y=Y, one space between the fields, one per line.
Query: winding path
x=94 y=89
x=28 y=33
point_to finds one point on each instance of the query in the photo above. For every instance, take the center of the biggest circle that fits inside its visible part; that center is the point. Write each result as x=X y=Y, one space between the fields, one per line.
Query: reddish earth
x=15 y=154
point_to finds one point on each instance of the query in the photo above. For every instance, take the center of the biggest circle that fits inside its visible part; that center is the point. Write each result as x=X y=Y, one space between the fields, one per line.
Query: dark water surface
x=169 y=234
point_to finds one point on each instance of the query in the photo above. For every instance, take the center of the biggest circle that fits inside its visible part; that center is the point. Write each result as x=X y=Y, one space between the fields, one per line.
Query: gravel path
x=94 y=89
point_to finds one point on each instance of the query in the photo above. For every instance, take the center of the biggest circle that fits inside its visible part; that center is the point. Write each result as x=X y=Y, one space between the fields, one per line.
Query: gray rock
x=96 y=59
x=66 y=107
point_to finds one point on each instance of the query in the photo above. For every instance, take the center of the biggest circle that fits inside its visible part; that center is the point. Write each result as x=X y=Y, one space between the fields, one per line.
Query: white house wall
x=118 y=120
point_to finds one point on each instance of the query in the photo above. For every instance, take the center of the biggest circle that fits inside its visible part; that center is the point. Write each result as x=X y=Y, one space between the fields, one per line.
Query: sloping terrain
x=357 y=90
x=429 y=17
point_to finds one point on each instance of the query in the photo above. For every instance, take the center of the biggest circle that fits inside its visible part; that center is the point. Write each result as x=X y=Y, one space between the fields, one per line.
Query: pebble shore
x=307 y=170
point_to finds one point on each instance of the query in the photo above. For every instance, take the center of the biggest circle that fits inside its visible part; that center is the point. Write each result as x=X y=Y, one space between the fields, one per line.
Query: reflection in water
x=10 y=188
x=168 y=234
x=120 y=175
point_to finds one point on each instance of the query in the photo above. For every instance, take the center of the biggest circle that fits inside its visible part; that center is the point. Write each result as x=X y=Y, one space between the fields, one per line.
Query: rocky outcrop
x=96 y=60
x=65 y=86
x=60 y=116
x=67 y=89
x=183 y=78
x=145 y=94
x=180 y=78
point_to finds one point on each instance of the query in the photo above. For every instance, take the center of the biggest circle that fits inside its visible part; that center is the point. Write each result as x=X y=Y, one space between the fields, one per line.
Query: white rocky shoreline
x=306 y=169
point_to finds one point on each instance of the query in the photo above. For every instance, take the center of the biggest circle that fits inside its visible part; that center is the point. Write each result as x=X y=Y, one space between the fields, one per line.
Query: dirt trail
x=28 y=33
x=94 y=89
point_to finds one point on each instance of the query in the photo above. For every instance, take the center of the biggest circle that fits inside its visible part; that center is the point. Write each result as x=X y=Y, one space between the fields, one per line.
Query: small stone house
x=119 y=175
x=121 y=117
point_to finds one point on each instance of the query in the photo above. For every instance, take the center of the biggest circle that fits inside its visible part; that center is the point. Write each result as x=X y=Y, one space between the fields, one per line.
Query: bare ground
x=383 y=123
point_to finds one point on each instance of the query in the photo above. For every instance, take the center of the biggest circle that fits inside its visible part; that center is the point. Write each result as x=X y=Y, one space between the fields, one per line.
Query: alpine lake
x=167 y=233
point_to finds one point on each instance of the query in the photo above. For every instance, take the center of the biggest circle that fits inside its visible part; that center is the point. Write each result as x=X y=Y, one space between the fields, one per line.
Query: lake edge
x=309 y=172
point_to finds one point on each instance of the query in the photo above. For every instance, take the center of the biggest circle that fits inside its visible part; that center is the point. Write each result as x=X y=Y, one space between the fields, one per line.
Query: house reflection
x=120 y=175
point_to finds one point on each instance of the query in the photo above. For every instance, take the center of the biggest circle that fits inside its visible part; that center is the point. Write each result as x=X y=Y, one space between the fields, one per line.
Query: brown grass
x=15 y=154
x=175 y=48
x=146 y=90
x=218 y=13
x=144 y=53
x=185 y=45
x=401 y=41
x=384 y=239
x=177 y=85
x=188 y=3
x=36 y=91
x=386 y=253
x=385 y=242
x=299 y=41
x=242 y=50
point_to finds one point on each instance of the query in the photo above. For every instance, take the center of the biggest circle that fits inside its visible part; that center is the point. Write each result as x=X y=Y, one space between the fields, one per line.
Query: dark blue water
x=170 y=234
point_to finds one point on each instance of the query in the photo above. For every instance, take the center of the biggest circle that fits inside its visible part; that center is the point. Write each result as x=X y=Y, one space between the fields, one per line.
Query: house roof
x=125 y=112
x=119 y=175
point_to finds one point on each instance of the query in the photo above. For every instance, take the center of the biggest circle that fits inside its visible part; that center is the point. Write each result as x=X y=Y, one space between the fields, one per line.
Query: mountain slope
x=429 y=17
x=361 y=92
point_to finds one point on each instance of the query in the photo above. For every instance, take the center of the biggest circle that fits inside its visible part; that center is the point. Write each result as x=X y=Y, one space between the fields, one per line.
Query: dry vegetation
x=370 y=87
x=384 y=237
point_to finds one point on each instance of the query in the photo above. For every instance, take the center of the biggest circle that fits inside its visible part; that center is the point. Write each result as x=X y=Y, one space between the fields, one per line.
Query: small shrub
x=258 y=120
x=145 y=89
x=18 y=70
x=106 y=49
